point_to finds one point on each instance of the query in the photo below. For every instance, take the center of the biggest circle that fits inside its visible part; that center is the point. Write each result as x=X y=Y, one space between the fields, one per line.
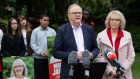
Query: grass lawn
x=136 y=67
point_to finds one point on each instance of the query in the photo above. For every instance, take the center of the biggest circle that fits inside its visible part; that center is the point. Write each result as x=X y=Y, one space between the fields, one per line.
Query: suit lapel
x=84 y=35
x=71 y=35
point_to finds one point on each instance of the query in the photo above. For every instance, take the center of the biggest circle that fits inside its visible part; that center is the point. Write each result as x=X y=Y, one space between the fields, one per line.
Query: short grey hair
x=120 y=15
x=73 y=5
x=24 y=66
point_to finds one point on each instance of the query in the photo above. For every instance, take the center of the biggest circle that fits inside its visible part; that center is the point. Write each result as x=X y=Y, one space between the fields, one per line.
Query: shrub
x=3 y=25
x=134 y=30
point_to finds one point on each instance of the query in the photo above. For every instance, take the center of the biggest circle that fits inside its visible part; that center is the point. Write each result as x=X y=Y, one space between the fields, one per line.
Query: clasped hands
x=45 y=54
x=79 y=54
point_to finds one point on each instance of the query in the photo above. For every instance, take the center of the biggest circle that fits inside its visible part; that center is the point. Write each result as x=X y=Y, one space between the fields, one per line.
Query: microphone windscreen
x=86 y=59
x=108 y=53
x=112 y=57
x=72 y=59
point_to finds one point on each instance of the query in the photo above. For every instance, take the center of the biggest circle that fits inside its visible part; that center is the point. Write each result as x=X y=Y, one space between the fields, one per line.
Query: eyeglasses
x=46 y=20
x=111 y=19
x=75 y=13
x=20 y=66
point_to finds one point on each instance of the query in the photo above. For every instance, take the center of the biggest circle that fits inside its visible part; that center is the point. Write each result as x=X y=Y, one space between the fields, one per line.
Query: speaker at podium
x=96 y=71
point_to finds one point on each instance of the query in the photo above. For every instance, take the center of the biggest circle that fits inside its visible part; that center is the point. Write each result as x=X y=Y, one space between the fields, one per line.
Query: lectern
x=96 y=71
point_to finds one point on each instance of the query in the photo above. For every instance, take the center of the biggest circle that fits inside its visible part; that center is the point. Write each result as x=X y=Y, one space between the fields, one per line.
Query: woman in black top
x=12 y=42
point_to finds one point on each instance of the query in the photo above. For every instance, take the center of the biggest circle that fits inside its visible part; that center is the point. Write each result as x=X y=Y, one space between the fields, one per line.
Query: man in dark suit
x=74 y=36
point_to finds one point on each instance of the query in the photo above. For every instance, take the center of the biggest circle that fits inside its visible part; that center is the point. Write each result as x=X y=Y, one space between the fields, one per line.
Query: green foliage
x=57 y=9
x=5 y=22
x=98 y=29
x=3 y=25
x=136 y=67
x=134 y=30
x=7 y=66
x=50 y=45
x=55 y=25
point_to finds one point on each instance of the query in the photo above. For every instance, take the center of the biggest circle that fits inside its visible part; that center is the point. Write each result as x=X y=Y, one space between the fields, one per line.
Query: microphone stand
x=117 y=73
x=71 y=73
x=87 y=74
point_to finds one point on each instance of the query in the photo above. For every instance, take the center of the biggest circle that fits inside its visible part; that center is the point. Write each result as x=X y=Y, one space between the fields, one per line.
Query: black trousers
x=41 y=68
x=0 y=75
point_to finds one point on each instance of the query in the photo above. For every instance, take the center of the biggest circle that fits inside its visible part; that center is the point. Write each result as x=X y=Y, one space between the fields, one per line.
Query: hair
x=10 y=31
x=89 y=19
x=120 y=15
x=24 y=67
x=73 y=5
x=28 y=25
x=33 y=21
x=43 y=15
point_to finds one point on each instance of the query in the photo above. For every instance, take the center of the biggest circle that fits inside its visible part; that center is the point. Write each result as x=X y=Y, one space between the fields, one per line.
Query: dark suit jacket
x=65 y=43
x=13 y=46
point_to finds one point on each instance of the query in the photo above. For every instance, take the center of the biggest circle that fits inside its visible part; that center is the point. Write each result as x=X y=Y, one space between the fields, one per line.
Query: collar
x=42 y=28
x=120 y=33
x=78 y=26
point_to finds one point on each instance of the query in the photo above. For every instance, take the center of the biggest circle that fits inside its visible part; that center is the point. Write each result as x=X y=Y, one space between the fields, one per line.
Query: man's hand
x=45 y=54
x=79 y=55
x=91 y=55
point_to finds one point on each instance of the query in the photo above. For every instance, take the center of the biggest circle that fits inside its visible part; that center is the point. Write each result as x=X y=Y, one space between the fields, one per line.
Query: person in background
x=26 y=32
x=13 y=42
x=39 y=46
x=74 y=36
x=33 y=21
x=114 y=38
x=87 y=18
x=19 y=70
x=1 y=35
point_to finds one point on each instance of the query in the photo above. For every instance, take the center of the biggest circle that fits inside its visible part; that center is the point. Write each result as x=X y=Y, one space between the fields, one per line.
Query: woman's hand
x=113 y=73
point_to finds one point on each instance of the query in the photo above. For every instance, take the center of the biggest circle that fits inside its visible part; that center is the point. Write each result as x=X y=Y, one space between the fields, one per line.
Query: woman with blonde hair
x=115 y=39
x=19 y=70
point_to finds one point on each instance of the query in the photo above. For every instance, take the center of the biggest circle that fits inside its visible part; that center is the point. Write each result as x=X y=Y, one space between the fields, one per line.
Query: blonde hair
x=73 y=5
x=24 y=66
x=120 y=15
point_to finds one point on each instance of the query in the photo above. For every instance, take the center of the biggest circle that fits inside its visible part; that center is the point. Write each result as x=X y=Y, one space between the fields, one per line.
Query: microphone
x=86 y=62
x=72 y=61
x=111 y=57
